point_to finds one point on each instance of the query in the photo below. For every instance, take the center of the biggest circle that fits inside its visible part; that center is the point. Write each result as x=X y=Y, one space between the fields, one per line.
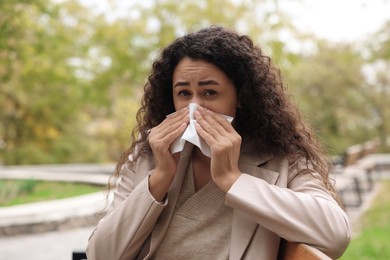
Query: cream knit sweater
x=201 y=225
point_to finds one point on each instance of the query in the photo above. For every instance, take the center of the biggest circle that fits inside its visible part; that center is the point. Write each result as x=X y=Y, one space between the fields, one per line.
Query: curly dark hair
x=267 y=116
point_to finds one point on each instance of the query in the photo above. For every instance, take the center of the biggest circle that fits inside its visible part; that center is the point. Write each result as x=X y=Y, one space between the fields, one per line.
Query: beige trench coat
x=270 y=200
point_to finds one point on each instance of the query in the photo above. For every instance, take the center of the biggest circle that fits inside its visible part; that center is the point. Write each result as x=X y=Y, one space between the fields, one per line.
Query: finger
x=209 y=133
x=169 y=129
x=174 y=120
x=205 y=127
x=224 y=122
x=211 y=124
x=169 y=125
x=161 y=145
x=183 y=111
x=167 y=133
x=220 y=144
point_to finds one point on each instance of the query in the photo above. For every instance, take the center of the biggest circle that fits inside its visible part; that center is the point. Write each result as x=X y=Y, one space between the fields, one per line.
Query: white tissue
x=190 y=135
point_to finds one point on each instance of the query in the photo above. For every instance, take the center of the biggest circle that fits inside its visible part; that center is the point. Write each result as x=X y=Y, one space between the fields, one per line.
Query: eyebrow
x=201 y=83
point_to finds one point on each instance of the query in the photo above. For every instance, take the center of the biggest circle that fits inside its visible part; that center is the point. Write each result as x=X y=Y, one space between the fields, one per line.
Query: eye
x=184 y=93
x=210 y=92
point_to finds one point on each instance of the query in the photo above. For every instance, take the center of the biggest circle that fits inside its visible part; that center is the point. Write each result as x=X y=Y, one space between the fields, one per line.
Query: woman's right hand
x=160 y=139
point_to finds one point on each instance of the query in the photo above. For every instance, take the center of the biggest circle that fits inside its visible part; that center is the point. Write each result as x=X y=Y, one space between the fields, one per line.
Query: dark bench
x=357 y=173
x=79 y=255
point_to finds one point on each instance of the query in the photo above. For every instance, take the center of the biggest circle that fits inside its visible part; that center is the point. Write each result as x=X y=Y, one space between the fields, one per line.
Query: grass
x=14 y=192
x=373 y=239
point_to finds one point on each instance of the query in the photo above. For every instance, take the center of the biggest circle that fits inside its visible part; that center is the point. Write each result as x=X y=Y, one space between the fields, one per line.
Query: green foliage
x=329 y=85
x=380 y=44
x=13 y=192
x=13 y=189
x=71 y=78
x=8 y=190
x=28 y=186
x=54 y=84
x=39 y=92
x=373 y=238
x=378 y=83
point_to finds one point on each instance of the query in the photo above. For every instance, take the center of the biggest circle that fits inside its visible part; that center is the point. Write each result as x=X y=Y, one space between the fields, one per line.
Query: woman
x=266 y=177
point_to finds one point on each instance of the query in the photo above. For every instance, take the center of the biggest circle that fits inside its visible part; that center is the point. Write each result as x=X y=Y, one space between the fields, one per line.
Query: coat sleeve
x=129 y=220
x=304 y=211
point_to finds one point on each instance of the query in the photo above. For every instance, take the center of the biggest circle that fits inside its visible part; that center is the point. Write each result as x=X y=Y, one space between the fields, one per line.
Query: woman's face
x=201 y=82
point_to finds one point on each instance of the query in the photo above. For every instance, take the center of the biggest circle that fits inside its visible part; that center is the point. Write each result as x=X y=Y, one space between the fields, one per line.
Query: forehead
x=188 y=67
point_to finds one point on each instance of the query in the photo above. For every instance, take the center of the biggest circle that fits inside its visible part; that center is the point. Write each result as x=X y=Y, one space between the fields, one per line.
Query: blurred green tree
x=377 y=73
x=71 y=78
x=41 y=92
x=329 y=86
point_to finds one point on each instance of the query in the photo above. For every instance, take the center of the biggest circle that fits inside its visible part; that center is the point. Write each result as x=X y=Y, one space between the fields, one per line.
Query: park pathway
x=57 y=245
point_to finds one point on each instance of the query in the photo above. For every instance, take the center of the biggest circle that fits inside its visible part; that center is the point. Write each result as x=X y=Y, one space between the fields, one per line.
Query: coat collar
x=172 y=196
x=250 y=162
x=254 y=163
x=244 y=227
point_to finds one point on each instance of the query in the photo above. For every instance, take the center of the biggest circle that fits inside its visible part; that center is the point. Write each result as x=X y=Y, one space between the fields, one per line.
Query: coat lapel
x=243 y=226
x=172 y=195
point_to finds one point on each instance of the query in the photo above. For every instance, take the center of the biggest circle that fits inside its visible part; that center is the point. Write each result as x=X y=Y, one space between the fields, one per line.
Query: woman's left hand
x=225 y=145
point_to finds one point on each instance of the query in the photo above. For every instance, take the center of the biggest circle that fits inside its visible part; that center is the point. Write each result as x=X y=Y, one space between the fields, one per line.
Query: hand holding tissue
x=191 y=135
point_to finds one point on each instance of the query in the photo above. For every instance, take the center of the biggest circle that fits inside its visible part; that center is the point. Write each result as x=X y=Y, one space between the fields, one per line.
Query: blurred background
x=72 y=75
x=72 y=71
